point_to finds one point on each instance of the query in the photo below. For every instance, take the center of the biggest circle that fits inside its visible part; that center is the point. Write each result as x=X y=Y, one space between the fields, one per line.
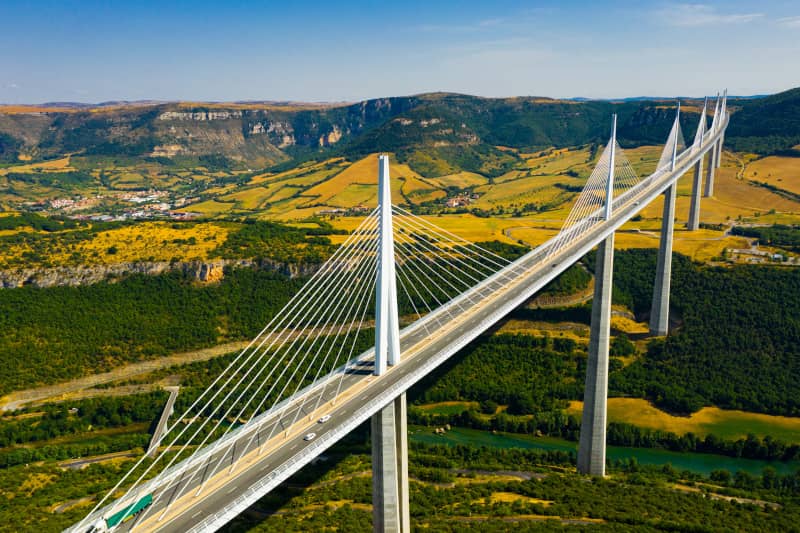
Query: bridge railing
x=329 y=438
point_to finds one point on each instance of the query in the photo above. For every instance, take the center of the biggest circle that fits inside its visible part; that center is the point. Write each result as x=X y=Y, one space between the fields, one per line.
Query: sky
x=335 y=50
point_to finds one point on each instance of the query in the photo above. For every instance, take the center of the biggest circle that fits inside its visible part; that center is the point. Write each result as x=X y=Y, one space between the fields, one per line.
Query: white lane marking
x=197 y=513
x=231 y=490
x=263 y=468
x=293 y=447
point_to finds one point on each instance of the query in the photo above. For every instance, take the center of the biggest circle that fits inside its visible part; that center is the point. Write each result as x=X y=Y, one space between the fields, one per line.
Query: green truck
x=128 y=512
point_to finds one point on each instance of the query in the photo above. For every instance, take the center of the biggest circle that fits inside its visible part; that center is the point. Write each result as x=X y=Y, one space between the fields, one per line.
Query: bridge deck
x=228 y=492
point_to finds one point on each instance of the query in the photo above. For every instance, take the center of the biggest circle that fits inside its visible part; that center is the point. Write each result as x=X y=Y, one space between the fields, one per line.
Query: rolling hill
x=436 y=134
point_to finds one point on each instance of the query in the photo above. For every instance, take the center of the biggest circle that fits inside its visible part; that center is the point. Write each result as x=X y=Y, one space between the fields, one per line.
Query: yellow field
x=145 y=241
x=56 y=165
x=460 y=179
x=251 y=198
x=570 y=330
x=537 y=190
x=474 y=228
x=723 y=423
x=621 y=323
x=644 y=159
x=305 y=174
x=565 y=330
x=558 y=161
x=128 y=180
x=418 y=190
x=353 y=194
x=155 y=240
x=284 y=192
x=338 y=191
x=209 y=207
x=511 y=497
x=440 y=405
x=341 y=184
x=700 y=245
x=530 y=236
x=781 y=172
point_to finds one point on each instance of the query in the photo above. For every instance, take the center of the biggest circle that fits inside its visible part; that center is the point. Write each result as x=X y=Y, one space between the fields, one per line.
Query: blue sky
x=94 y=51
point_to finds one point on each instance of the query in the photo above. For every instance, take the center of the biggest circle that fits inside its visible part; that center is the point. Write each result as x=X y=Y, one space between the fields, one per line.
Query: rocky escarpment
x=205 y=272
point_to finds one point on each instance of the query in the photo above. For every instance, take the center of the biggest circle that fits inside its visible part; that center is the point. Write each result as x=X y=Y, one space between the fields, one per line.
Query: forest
x=462 y=488
x=96 y=327
x=777 y=235
x=521 y=383
x=737 y=345
x=263 y=239
x=456 y=488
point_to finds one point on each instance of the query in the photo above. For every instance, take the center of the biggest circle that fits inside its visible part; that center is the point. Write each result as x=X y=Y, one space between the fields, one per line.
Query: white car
x=324 y=419
x=310 y=436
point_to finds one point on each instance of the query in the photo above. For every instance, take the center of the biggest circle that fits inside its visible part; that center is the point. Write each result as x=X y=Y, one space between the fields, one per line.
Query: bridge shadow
x=363 y=368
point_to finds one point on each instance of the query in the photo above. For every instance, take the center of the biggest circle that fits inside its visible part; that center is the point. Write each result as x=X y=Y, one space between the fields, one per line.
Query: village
x=135 y=205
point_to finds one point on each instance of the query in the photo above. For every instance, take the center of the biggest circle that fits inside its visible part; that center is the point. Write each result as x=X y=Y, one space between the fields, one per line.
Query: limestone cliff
x=204 y=272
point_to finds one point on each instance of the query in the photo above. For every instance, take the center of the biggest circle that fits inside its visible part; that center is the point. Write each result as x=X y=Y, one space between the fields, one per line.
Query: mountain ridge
x=451 y=131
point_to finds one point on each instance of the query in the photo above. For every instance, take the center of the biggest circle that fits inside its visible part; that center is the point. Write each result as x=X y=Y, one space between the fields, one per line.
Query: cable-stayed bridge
x=397 y=299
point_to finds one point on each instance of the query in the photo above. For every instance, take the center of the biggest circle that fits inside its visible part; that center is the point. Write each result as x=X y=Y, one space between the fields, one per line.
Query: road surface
x=425 y=344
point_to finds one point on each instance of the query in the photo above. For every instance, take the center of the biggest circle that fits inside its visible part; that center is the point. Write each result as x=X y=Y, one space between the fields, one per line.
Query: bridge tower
x=592 y=446
x=697 y=182
x=390 y=511
x=714 y=155
x=723 y=109
x=659 y=314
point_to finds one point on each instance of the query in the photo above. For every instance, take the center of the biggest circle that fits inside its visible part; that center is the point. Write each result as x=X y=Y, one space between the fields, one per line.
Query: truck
x=128 y=512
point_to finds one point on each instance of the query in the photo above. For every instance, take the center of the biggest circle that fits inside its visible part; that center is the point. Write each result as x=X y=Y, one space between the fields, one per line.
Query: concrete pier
x=390 y=511
x=694 y=208
x=659 y=314
x=390 y=507
x=713 y=163
x=592 y=447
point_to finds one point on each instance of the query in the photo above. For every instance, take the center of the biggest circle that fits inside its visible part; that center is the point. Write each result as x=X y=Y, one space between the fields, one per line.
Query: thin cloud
x=480 y=25
x=790 y=22
x=520 y=19
x=693 y=15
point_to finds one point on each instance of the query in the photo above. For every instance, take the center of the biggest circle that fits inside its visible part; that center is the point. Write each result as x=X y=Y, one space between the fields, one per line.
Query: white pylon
x=724 y=104
x=676 y=129
x=701 y=127
x=610 y=181
x=715 y=120
x=387 y=324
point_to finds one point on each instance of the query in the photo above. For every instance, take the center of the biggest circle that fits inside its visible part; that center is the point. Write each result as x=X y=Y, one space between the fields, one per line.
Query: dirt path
x=72 y=503
x=78 y=464
x=742 y=165
x=83 y=387
x=68 y=389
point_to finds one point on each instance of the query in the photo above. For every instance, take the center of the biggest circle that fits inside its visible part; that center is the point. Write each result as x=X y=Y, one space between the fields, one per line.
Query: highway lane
x=189 y=509
x=453 y=328
x=193 y=509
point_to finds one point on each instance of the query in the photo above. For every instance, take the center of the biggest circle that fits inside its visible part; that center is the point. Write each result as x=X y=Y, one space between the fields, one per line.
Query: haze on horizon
x=95 y=51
